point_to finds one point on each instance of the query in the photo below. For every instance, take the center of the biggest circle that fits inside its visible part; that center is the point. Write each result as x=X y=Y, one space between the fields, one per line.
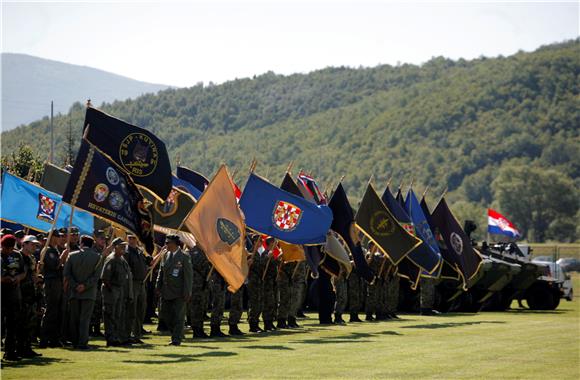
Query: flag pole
x=290 y=165
x=45 y=248
x=390 y=180
x=425 y=192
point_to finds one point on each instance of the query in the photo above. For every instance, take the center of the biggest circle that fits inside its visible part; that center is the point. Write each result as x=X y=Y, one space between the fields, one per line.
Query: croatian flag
x=497 y=224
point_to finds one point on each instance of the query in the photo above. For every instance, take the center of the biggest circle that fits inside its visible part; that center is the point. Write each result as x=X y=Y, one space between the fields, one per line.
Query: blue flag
x=285 y=216
x=34 y=207
x=187 y=187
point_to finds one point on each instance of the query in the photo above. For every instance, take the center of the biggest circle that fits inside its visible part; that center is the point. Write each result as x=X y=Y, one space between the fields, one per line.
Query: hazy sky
x=184 y=42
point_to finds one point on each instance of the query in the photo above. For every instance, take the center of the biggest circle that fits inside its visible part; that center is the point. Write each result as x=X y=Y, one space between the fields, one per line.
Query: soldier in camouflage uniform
x=354 y=294
x=218 y=286
x=51 y=267
x=139 y=263
x=100 y=247
x=298 y=292
x=236 y=309
x=257 y=264
x=270 y=291
x=340 y=288
x=375 y=260
x=427 y=296
x=284 y=283
x=200 y=290
x=29 y=318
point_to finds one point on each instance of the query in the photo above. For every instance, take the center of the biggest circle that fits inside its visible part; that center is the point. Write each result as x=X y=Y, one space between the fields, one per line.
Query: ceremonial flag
x=287 y=217
x=102 y=188
x=172 y=213
x=376 y=221
x=194 y=178
x=290 y=186
x=497 y=224
x=186 y=186
x=343 y=218
x=34 y=207
x=291 y=252
x=54 y=179
x=338 y=249
x=137 y=151
x=422 y=227
x=309 y=189
x=457 y=245
x=218 y=226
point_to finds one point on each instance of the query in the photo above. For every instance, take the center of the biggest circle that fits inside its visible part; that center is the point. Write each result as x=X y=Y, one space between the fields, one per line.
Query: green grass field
x=514 y=344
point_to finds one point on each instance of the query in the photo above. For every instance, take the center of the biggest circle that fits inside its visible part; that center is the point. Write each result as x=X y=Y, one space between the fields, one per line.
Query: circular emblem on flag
x=169 y=207
x=112 y=176
x=456 y=243
x=228 y=232
x=138 y=154
x=116 y=200
x=123 y=185
x=381 y=224
x=286 y=216
x=101 y=192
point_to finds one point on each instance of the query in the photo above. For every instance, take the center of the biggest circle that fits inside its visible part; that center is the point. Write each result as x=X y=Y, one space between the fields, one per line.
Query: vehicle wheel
x=540 y=298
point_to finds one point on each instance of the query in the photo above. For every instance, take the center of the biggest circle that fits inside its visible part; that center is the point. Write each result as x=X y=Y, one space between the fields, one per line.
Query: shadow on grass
x=450 y=324
x=39 y=361
x=273 y=347
x=528 y=311
x=181 y=358
x=350 y=338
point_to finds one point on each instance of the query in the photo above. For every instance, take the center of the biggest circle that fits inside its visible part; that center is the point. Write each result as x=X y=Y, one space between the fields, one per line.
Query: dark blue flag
x=105 y=190
x=275 y=212
x=343 y=218
x=187 y=187
x=194 y=178
x=423 y=256
x=136 y=150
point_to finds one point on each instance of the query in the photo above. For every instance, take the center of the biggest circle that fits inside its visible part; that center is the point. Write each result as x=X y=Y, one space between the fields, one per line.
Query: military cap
x=73 y=230
x=6 y=231
x=118 y=241
x=57 y=233
x=173 y=238
x=63 y=230
x=99 y=234
x=87 y=239
x=30 y=239
x=8 y=241
x=19 y=234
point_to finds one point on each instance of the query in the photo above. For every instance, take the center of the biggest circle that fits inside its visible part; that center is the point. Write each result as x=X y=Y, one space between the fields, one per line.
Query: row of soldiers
x=77 y=281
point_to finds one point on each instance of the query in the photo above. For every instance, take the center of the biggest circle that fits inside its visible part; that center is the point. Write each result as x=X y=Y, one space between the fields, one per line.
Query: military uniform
x=53 y=299
x=236 y=309
x=427 y=295
x=354 y=294
x=82 y=267
x=270 y=293
x=175 y=281
x=97 y=316
x=199 y=291
x=218 y=289
x=12 y=266
x=340 y=289
x=30 y=300
x=383 y=293
x=114 y=276
x=139 y=265
x=256 y=289
x=393 y=294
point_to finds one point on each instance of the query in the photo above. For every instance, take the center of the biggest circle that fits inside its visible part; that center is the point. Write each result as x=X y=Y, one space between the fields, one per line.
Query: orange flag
x=218 y=226
x=291 y=252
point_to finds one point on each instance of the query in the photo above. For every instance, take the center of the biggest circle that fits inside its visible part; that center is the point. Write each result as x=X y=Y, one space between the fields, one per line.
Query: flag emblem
x=381 y=224
x=169 y=207
x=101 y=192
x=112 y=176
x=138 y=154
x=286 y=216
x=46 y=207
x=228 y=232
x=116 y=200
x=456 y=243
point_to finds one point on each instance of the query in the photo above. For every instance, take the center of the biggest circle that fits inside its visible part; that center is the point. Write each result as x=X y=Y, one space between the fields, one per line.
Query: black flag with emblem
x=457 y=249
x=172 y=213
x=100 y=187
x=376 y=221
x=139 y=152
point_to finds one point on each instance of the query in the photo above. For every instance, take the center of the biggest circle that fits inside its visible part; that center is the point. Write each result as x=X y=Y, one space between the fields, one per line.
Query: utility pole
x=51 y=157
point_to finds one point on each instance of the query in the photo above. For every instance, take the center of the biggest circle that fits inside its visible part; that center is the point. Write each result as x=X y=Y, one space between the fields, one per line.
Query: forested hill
x=501 y=132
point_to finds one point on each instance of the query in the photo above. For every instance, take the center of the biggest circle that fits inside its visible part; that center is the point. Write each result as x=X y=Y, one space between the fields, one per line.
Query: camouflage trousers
x=218 y=304
x=285 y=297
x=198 y=306
x=255 y=301
x=372 y=297
x=383 y=297
x=427 y=293
x=297 y=292
x=270 y=301
x=354 y=293
x=393 y=295
x=236 y=307
x=341 y=290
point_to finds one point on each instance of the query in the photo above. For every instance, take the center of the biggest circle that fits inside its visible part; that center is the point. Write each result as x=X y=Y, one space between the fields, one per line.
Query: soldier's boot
x=234 y=330
x=354 y=317
x=338 y=319
x=429 y=312
x=282 y=323
x=255 y=327
x=300 y=314
x=369 y=317
x=269 y=326
x=393 y=316
x=216 y=332
x=382 y=317
x=199 y=333
x=292 y=323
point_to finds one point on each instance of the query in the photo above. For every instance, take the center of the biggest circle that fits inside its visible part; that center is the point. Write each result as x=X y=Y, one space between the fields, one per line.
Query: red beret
x=8 y=241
